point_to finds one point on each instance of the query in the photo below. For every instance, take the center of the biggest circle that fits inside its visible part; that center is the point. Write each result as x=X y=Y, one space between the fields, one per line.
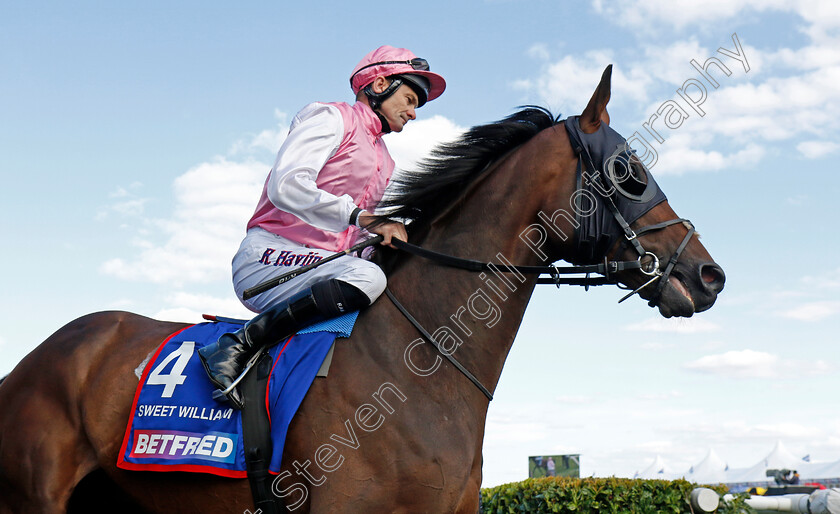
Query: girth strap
x=256 y=436
x=432 y=340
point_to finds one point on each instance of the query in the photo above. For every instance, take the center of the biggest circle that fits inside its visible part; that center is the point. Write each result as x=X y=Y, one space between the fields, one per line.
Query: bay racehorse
x=394 y=428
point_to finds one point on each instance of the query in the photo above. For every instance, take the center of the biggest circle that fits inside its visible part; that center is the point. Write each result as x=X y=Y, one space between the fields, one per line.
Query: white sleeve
x=314 y=137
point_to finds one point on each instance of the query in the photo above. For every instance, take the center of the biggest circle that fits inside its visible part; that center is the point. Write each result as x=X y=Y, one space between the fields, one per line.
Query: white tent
x=778 y=458
x=657 y=470
x=711 y=470
x=820 y=470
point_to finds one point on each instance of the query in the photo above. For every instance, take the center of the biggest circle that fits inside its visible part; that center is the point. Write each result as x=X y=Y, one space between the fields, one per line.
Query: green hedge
x=583 y=495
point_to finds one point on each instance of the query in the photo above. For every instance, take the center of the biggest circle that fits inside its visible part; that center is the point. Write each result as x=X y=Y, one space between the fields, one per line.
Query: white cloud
x=213 y=201
x=788 y=94
x=744 y=122
x=822 y=15
x=539 y=51
x=418 y=138
x=829 y=280
x=813 y=311
x=268 y=140
x=670 y=63
x=677 y=14
x=122 y=304
x=568 y=83
x=744 y=364
x=737 y=364
x=189 y=307
x=677 y=158
x=674 y=325
x=779 y=108
x=787 y=431
x=506 y=430
x=571 y=80
x=130 y=207
x=126 y=203
x=817 y=149
x=416 y=141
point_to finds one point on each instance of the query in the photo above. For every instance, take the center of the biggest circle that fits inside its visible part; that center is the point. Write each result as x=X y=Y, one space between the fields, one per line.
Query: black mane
x=420 y=196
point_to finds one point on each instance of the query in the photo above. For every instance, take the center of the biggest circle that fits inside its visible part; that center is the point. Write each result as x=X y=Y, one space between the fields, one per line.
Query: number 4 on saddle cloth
x=175 y=425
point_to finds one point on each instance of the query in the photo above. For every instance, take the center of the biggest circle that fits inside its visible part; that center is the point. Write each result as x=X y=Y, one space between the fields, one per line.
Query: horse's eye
x=637 y=172
x=622 y=171
x=628 y=174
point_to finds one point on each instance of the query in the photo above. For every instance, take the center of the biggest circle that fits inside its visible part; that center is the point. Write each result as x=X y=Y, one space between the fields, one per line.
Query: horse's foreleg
x=470 y=500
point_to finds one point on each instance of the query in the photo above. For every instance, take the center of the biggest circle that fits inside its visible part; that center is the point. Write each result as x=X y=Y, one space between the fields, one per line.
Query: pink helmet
x=387 y=61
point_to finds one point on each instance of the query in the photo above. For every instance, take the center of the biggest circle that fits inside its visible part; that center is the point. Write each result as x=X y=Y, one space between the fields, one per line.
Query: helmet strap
x=386 y=128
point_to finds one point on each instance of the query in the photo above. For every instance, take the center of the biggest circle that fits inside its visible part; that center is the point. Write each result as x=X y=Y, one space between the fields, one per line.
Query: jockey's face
x=400 y=107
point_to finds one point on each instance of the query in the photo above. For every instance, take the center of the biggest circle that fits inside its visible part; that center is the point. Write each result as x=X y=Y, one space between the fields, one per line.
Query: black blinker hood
x=598 y=173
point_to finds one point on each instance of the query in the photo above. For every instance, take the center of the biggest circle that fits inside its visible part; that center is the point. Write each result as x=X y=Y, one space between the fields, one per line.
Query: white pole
x=825 y=501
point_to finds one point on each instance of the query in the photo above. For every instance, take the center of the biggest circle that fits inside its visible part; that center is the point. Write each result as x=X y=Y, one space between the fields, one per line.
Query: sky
x=135 y=138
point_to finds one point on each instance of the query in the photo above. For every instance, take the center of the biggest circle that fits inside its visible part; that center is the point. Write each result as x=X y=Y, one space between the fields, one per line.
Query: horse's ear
x=596 y=109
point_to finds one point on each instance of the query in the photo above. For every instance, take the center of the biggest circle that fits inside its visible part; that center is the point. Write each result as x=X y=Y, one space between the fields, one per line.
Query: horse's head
x=494 y=180
x=621 y=214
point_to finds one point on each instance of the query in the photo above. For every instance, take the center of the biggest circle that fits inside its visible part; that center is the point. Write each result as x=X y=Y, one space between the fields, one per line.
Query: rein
x=605 y=268
x=434 y=342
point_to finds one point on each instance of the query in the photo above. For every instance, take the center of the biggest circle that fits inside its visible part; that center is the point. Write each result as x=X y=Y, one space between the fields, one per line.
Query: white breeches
x=263 y=255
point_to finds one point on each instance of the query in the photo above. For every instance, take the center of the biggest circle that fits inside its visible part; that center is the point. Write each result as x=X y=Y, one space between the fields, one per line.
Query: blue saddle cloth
x=175 y=425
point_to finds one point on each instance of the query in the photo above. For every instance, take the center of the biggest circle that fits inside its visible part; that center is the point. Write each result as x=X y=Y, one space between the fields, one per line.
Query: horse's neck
x=482 y=312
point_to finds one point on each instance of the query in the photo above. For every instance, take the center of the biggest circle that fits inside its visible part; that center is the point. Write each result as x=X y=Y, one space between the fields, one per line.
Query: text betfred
x=168 y=444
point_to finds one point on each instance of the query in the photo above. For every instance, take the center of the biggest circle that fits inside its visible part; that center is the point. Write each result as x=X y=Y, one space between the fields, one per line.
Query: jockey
x=329 y=174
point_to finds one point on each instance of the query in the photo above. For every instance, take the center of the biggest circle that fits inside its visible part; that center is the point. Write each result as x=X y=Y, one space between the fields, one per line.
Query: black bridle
x=606 y=269
x=612 y=151
x=586 y=162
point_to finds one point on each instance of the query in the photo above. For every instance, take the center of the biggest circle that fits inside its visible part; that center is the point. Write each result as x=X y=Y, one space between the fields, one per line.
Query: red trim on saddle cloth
x=268 y=382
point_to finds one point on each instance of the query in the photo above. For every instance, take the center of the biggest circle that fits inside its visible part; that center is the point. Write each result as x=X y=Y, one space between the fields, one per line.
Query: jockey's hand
x=392 y=229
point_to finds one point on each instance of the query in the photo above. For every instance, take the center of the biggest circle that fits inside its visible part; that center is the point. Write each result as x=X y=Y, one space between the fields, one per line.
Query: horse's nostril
x=712 y=277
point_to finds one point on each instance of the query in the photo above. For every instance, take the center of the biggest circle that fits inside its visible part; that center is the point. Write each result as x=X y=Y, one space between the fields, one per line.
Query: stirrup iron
x=222 y=395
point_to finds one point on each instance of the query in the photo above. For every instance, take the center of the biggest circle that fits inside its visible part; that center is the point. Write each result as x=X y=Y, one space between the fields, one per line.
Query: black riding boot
x=225 y=359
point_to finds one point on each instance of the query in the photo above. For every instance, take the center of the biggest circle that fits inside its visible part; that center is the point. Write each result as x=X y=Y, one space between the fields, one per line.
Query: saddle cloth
x=175 y=425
